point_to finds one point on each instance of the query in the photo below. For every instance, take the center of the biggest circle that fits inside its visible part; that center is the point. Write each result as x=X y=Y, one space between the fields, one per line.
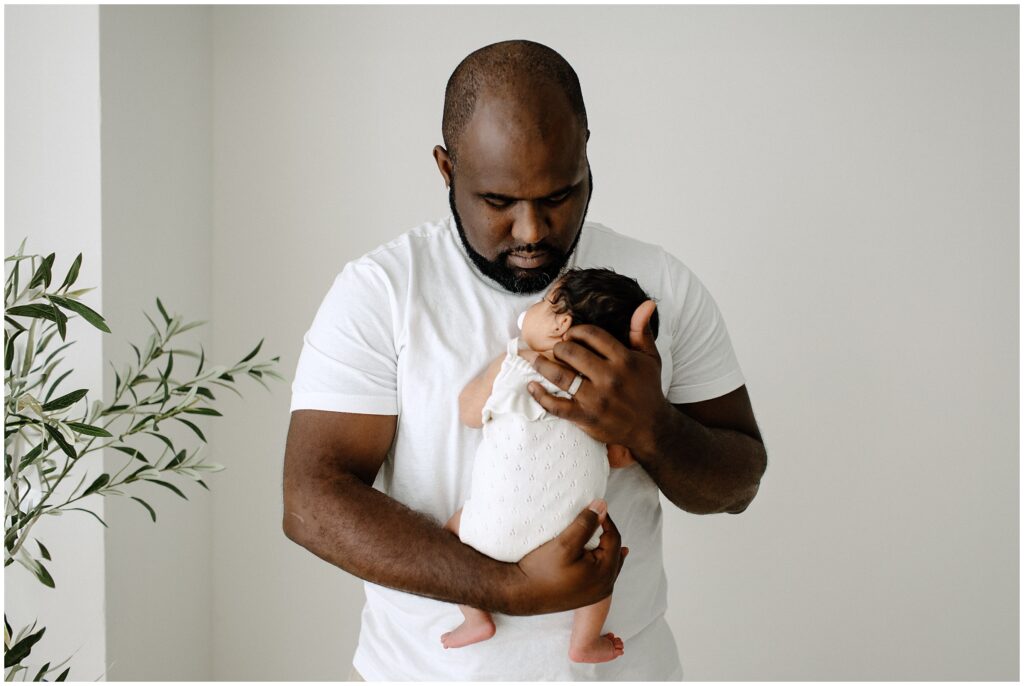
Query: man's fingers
x=583 y=527
x=559 y=407
x=596 y=339
x=610 y=538
x=640 y=335
x=556 y=373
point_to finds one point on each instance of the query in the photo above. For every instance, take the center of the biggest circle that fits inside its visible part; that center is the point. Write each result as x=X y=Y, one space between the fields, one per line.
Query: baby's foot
x=467 y=633
x=602 y=649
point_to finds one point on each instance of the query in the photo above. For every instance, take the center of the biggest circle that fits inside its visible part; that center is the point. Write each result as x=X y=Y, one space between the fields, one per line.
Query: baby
x=534 y=472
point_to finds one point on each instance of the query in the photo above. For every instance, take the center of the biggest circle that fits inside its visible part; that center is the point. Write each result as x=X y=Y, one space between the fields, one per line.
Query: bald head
x=518 y=71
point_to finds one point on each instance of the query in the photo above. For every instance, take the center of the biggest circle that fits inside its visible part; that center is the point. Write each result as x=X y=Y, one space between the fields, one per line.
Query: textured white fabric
x=533 y=472
x=401 y=331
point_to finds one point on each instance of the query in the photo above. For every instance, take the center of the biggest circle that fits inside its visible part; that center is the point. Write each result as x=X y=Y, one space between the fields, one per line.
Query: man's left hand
x=620 y=400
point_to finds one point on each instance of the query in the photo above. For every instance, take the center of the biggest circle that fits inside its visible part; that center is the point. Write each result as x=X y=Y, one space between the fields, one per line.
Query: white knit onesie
x=533 y=472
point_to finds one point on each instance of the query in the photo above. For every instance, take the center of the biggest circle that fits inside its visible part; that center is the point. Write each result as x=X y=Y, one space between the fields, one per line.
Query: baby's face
x=543 y=327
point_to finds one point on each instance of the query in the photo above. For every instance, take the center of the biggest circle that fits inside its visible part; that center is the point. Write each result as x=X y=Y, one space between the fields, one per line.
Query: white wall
x=155 y=74
x=52 y=196
x=844 y=179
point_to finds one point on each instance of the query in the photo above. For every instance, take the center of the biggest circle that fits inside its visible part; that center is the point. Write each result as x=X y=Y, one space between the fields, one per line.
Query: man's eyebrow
x=509 y=198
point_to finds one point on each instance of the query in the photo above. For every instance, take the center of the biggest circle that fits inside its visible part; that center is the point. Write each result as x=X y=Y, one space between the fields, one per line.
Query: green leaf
x=253 y=353
x=205 y=392
x=163 y=312
x=156 y=329
x=55 y=384
x=132 y=452
x=202 y=358
x=20 y=650
x=167 y=485
x=101 y=481
x=200 y=482
x=89 y=430
x=170 y=365
x=152 y=513
x=65 y=400
x=13 y=322
x=62 y=321
x=163 y=438
x=189 y=326
x=41 y=672
x=43 y=574
x=42 y=549
x=64 y=674
x=204 y=410
x=87 y=313
x=34 y=311
x=139 y=424
x=178 y=459
x=193 y=427
x=64 y=445
x=90 y=512
x=31 y=455
x=9 y=352
x=42 y=273
x=72 y=273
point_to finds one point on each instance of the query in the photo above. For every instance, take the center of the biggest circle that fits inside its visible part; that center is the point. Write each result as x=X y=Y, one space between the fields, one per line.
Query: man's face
x=520 y=190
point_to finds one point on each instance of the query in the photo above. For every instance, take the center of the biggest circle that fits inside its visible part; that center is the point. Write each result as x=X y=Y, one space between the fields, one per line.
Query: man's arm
x=332 y=510
x=706 y=457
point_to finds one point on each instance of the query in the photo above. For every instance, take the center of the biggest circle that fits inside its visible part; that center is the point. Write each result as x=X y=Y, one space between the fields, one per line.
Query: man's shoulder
x=425 y=237
x=609 y=247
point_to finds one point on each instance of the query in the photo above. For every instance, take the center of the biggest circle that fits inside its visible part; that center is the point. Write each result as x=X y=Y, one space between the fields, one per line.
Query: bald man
x=377 y=460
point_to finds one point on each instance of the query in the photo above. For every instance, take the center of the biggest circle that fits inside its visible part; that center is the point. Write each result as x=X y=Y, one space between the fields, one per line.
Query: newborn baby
x=534 y=472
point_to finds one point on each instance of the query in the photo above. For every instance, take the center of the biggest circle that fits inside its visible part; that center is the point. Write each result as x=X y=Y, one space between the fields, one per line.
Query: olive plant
x=47 y=431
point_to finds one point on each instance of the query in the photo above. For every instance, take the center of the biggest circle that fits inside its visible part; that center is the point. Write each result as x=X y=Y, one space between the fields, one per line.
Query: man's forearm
x=376 y=538
x=702 y=470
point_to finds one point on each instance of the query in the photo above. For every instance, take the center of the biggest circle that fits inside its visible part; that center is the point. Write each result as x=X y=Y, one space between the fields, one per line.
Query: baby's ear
x=562 y=324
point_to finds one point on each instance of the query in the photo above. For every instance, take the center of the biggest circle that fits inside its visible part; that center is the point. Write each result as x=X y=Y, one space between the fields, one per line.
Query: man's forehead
x=521 y=149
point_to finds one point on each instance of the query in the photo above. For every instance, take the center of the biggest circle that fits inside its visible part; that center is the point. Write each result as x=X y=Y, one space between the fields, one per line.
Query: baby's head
x=584 y=296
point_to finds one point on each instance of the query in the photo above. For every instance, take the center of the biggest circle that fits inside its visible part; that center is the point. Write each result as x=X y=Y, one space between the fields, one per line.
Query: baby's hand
x=619 y=456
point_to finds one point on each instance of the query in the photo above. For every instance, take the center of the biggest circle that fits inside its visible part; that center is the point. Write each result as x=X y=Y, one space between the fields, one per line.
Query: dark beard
x=520 y=281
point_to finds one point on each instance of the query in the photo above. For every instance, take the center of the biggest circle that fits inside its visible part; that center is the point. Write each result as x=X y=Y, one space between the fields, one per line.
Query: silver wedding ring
x=575 y=386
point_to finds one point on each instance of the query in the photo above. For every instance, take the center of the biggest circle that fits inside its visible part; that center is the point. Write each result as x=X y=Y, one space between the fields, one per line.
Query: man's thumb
x=640 y=335
x=586 y=523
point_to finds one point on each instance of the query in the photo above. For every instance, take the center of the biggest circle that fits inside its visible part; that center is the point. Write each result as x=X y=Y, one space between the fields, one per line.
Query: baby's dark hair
x=602 y=298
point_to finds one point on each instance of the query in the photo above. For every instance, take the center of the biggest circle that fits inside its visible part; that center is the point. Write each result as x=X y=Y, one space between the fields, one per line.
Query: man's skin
x=518 y=153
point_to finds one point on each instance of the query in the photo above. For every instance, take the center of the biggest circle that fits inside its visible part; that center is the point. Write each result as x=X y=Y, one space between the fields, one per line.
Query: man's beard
x=498 y=270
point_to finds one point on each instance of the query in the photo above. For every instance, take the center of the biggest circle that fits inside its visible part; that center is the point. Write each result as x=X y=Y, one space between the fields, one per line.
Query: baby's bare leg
x=587 y=644
x=478 y=625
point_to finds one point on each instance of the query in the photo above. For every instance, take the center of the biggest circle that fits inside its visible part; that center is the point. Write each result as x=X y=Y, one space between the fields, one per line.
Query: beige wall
x=155 y=73
x=52 y=197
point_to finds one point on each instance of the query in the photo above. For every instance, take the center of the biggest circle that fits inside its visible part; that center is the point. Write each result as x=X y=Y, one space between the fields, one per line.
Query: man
x=376 y=458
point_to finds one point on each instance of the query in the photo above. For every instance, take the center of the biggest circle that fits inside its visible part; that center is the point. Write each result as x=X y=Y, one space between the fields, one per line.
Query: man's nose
x=529 y=225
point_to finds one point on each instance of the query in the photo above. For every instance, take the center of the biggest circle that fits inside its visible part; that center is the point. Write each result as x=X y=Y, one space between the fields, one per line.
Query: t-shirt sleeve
x=704 y=364
x=348 y=361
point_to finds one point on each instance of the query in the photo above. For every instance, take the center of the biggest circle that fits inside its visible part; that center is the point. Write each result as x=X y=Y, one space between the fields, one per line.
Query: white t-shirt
x=401 y=331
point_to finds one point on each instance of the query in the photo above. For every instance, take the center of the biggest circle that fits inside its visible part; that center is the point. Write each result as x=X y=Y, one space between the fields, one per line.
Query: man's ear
x=444 y=164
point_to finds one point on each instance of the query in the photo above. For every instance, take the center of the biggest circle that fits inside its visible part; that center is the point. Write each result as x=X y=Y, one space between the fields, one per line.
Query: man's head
x=515 y=161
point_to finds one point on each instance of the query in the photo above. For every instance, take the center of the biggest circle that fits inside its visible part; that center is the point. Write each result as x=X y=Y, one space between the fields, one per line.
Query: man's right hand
x=562 y=575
